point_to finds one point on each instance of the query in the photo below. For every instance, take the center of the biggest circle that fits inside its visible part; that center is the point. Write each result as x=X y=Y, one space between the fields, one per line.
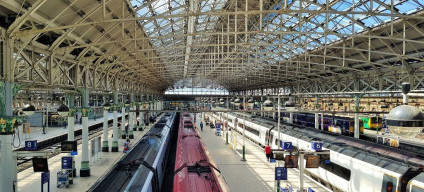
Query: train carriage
x=194 y=169
x=416 y=184
x=353 y=165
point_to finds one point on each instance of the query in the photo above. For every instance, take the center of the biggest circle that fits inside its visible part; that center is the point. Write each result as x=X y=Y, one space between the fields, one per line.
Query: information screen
x=312 y=161
x=68 y=146
x=291 y=161
x=40 y=164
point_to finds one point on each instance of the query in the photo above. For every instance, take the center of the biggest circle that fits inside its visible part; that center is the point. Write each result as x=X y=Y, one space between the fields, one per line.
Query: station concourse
x=108 y=95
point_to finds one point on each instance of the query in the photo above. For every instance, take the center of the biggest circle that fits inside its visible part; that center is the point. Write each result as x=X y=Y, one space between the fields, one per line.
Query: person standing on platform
x=268 y=152
x=126 y=145
x=201 y=126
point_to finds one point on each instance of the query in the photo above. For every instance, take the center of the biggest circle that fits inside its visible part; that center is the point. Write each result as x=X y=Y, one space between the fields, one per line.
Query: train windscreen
x=389 y=184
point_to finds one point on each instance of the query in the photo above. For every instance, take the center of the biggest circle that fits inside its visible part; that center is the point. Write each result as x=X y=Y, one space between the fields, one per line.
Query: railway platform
x=256 y=173
x=36 y=133
x=29 y=181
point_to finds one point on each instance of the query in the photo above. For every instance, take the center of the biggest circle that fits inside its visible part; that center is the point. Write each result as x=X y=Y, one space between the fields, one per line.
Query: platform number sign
x=316 y=145
x=31 y=145
x=286 y=145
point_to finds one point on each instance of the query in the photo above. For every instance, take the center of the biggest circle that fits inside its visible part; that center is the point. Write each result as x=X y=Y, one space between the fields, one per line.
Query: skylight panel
x=408 y=7
x=370 y=21
x=341 y=6
x=143 y=12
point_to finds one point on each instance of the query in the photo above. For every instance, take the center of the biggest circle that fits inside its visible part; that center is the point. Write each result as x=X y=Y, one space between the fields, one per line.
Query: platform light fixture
x=63 y=110
x=237 y=102
x=232 y=101
x=251 y=103
x=268 y=105
x=29 y=110
x=405 y=120
x=107 y=105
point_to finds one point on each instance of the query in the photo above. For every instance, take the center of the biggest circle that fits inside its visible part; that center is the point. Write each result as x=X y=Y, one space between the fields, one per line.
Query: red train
x=195 y=170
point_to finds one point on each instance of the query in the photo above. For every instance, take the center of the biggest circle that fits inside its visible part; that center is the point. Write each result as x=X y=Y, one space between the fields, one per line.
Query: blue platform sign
x=280 y=173
x=316 y=145
x=31 y=145
x=74 y=152
x=67 y=163
x=45 y=178
x=310 y=190
x=286 y=145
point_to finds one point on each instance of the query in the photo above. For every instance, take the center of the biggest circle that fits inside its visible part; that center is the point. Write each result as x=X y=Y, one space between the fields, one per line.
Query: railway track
x=55 y=142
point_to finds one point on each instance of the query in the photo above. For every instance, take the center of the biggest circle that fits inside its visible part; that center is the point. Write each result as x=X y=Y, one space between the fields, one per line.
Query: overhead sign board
x=286 y=145
x=316 y=145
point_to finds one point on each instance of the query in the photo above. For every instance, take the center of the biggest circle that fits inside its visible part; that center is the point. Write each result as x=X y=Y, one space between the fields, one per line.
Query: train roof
x=419 y=177
x=371 y=149
x=351 y=151
x=144 y=152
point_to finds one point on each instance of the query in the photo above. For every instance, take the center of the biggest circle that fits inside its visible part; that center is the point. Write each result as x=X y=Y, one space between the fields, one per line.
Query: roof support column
x=123 y=120
x=131 y=119
x=316 y=114
x=115 y=122
x=8 y=168
x=141 y=114
x=85 y=109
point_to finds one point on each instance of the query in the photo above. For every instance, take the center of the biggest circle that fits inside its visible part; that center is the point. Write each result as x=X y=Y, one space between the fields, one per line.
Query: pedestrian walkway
x=37 y=132
x=258 y=174
x=28 y=181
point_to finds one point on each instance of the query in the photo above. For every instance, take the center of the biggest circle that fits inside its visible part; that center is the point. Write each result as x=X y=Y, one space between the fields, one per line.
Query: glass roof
x=302 y=28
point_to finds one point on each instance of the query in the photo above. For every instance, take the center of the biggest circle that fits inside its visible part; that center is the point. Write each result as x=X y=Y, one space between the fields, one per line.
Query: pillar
x=71 y=122
x=115 y=123
x=243 y=158
x=141 y=114
x=131 y=119
x=71 y=117
x=291 y=117
x=8 y=168
x=123 y=120
x=356 y=131
x=316 y=113
x=262 y=106
x=85 y=109
x=105 y=145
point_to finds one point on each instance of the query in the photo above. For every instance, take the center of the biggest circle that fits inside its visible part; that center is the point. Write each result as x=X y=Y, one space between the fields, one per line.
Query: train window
x=389 y=183
x=374 y=120
x=277 y=142
x=417 y=189
x=335 y=169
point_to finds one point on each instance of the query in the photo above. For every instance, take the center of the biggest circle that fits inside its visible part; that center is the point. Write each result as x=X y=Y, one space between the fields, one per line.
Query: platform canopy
x=150 y=45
